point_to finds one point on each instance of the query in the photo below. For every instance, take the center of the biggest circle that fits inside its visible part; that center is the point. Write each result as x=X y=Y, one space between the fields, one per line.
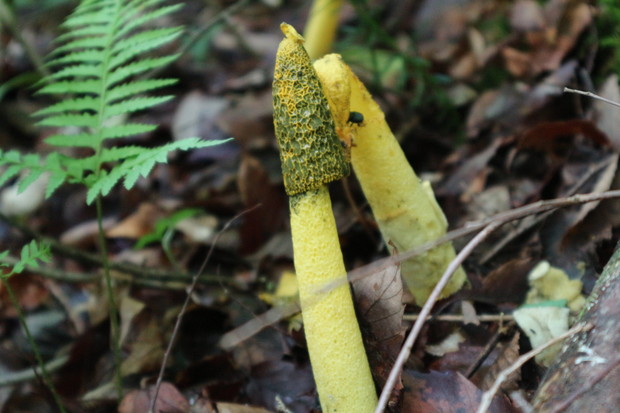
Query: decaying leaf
x=445 y=392
x=169 y=400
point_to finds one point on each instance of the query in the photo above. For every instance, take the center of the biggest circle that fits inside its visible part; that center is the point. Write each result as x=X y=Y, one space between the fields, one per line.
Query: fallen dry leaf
x=379 y=301
x=29 y=290
x=445 y=392
x=169 y=400
x=137 y=224
x=503 y=356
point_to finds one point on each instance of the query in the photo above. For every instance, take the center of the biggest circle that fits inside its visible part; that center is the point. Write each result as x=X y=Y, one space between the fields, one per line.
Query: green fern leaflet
x=98 y=75
x=30 y=256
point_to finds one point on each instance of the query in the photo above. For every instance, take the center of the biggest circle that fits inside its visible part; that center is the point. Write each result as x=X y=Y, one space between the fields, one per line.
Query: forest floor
x=473 y=91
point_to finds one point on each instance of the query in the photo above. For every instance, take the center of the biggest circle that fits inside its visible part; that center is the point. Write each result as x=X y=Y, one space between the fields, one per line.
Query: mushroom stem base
x=337 y=353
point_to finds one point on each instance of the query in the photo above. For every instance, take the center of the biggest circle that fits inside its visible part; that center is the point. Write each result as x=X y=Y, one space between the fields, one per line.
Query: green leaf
x=35 y=173
x=83 y=120
x=90 y=30
x=85 y=56
x=3 y=255
x=57 y=178
x=165 y=224
x=84 y=86
x=147 y=37
x=141 y=66
x=10 y=157
x=96 y=17
x=10 y=172
x=133 y=105
x=117 y=154
x=95 y=42
x=133 y=168
x=95 y=66
x=81 y=70
x=30 y=256
x=128 y=129
x=133 y=22
x=79 y=140
x=135 y=87
x=132 y=50
x=71 y=105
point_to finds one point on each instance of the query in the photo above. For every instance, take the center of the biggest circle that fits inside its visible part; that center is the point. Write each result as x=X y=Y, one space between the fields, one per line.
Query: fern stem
x=115 y=339
x=140 y=275
x=35 y=348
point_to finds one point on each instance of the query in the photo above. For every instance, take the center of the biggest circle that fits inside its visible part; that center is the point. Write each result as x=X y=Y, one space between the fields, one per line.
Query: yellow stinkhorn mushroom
x=404 y=207
x=311 y=157
x=321 y=27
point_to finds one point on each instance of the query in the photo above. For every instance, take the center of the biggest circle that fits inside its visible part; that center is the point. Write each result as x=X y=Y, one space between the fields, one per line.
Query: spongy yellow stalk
x=311 y=157
x=338 y=358
x=404 y=207
x=321 y=27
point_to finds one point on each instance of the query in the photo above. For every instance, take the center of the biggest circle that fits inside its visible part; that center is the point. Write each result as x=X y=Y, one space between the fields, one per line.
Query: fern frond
x=85 y=56
x=91 y=87
x=141 y=164
x=128 y=129
x=136 y=68
x=133 y=48
x=81 y=140
x=71 y=105
x=120 y=153
x=95 y=65
x=91 y=42
x=30 y=256
x=17 y=163
x=81 y=70
x=133 y=105
x=137 y=86
x=146 y=17
x=105 y=46
x=72 y=119
x=91 y=30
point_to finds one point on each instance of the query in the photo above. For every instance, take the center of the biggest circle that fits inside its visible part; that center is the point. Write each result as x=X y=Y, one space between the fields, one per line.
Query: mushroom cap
x=310 y=151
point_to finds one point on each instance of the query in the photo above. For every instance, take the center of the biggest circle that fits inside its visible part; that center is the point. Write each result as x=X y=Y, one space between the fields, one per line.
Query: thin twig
x=426 y=309
x=47 y=378
x=188 y=297
x=113 y=311
x=487 y=397
x=384 y=263
x=458 y=318
x=470 y=228
x=15 y=377
x=591 y=95
x=489 y=225
x=526 y=225
x=488 y=348
x=253 y=326
x=147 y=276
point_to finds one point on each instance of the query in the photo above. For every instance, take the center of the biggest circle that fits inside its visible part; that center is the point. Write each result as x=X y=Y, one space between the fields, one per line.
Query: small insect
x=356 y=117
